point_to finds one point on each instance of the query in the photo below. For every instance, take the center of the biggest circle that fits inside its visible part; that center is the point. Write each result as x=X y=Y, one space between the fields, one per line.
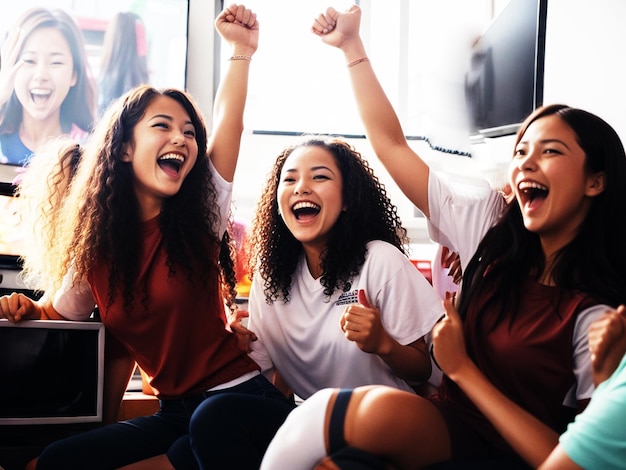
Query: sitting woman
x=538 y=269
x=335 y=300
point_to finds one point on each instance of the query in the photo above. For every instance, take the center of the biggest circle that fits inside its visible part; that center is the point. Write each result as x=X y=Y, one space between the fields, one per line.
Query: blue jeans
x=122 y=443
x=247 y=424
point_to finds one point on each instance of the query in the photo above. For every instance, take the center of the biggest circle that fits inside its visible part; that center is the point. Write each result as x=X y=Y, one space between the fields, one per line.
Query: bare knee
x=405 y=429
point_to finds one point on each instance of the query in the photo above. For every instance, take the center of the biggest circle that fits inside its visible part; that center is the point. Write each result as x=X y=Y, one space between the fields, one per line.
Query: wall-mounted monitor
x=160 y=31
x=505 y=80
x=52 y=372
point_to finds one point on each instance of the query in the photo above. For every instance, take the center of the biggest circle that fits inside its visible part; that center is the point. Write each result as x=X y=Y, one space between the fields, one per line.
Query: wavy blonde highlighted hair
x=41 y=191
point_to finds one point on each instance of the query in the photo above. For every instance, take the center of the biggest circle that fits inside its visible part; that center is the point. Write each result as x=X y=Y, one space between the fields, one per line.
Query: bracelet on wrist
x=241 y=57
x=358 y=61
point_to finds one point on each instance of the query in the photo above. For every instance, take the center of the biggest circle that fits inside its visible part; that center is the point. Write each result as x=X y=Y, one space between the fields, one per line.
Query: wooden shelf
x=136 y=404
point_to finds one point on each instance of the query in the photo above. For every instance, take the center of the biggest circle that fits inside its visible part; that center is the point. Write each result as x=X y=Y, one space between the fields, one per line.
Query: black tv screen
x=51 y=372
x=505 y=80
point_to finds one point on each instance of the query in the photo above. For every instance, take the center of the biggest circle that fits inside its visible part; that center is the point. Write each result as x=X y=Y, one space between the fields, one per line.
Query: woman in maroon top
x=536 y=272
x=139 y=235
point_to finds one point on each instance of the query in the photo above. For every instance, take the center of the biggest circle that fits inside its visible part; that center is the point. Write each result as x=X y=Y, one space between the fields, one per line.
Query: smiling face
x=45 y=75
x=550 y=181
x=310 y=196
x=163 y=152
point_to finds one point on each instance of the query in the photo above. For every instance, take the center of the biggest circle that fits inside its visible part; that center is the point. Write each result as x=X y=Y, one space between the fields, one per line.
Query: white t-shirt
x=303 y=339
x=459 y=220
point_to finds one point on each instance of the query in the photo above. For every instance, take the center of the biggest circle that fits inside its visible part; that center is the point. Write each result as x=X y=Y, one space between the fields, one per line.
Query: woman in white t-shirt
x=538 y=267
x=335 y=301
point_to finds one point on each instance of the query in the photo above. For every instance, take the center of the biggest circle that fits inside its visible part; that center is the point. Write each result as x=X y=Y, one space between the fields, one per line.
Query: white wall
x=585 y=67
x=585 y=63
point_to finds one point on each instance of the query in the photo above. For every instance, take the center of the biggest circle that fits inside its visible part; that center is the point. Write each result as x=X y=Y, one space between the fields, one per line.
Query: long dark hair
x=124 y=43
x=79 y=106
x=592 y=263
x=107 y=226
x=370 y=215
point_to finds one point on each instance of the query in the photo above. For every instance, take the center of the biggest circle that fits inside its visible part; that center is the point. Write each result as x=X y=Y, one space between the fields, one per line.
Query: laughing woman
x=537 y=272
x=139 y=236
x=335 y=300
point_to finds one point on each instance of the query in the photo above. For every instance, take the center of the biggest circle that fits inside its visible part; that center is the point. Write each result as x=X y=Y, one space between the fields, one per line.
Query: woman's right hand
x=16 y=307
x=337 y=28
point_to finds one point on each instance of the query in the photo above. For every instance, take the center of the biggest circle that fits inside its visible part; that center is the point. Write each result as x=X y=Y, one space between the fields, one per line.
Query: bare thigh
x=405 y=429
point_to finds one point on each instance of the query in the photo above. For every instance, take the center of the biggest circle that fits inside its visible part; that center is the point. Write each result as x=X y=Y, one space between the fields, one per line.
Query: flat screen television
x=161 y=37
x=505 y=80
x=52 y=372
x=163 y=29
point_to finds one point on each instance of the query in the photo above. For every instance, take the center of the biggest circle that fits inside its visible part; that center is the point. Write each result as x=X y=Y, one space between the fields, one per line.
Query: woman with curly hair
x=139 y=237
x=540 y=265
x=334 y=301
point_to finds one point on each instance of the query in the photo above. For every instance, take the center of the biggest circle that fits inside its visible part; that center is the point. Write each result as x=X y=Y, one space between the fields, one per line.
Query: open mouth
x=303 y=210
x=533 y=192
x=171 y=163
x=40 y=95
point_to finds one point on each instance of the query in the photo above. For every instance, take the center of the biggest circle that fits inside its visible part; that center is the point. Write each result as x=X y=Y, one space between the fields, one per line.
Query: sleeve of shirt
x=460 y=215
x=582 y=356
x=224 y=197
x=74 y=300
x=259 y=353
x=409 y=305
x=596 y=439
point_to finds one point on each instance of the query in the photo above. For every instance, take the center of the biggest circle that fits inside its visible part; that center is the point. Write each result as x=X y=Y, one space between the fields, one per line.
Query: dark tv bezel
x=94 y=417
x=510 y=128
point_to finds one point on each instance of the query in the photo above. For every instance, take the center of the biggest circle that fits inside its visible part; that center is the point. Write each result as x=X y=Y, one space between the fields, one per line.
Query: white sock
x=299 y=443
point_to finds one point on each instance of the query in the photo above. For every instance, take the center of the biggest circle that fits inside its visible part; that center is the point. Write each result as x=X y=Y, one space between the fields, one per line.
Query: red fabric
x=180 y=339
x=529 y=360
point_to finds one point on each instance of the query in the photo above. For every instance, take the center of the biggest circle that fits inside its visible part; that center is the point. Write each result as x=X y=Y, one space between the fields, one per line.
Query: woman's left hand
x=245 y=337
x=449 y=349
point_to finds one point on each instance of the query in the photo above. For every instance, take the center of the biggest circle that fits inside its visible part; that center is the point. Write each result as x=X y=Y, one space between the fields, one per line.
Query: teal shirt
x=597 y=437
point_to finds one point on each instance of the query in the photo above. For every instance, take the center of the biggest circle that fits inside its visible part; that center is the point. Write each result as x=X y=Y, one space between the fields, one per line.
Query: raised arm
x=381 y=123
x=238 y=26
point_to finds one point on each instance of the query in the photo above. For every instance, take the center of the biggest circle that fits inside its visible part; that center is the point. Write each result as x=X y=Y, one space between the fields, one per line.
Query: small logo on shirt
x=346 y=298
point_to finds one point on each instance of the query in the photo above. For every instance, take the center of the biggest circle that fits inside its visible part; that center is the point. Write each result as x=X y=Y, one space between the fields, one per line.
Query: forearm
x=47 y=311
x=532 y=439
x=228 y=112
x=409 y=362
x=372 y=102
x=383 y=128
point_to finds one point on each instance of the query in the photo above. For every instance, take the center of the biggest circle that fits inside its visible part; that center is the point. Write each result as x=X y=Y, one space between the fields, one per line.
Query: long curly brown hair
x=370 y=215
x=101 y=218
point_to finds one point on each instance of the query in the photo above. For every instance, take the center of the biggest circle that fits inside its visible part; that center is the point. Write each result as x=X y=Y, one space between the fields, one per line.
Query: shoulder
x=382 y=248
